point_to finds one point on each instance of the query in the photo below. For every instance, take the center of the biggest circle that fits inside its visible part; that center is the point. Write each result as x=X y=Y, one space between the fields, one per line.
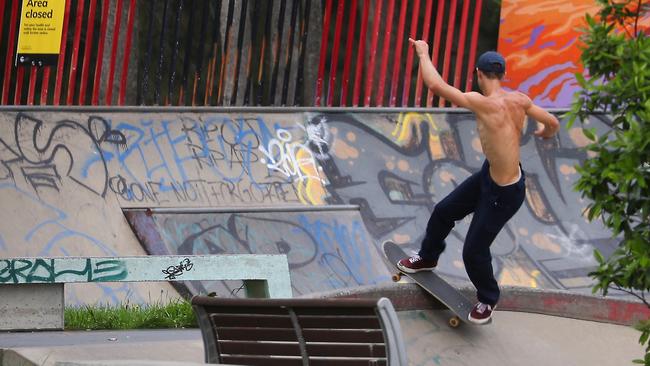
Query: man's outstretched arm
x=550 y=124
x=436 y=83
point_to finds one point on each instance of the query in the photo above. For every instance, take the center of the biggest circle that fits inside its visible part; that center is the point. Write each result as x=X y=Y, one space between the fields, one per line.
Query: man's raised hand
x=421 y=47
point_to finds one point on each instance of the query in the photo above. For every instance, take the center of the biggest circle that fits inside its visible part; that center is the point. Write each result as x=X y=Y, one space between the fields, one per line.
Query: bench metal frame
x=209 y=310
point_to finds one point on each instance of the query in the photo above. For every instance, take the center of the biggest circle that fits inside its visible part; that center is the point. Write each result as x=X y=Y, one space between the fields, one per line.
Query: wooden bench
x=32 y=293
x=300 y=331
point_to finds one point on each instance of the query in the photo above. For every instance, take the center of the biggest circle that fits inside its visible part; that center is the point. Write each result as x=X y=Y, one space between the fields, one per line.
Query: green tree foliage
x=616 y=53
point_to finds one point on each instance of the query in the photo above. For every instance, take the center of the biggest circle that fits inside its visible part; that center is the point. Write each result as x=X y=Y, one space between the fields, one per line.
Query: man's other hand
x=544 y=132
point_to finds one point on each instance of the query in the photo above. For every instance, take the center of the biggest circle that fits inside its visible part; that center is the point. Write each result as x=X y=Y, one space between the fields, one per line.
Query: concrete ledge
x=272 y=268
x=35 y=306
x=409 y=296
x=32 y=295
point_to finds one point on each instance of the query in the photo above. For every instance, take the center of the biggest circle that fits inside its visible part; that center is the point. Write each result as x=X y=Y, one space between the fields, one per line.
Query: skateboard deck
x=433 y=284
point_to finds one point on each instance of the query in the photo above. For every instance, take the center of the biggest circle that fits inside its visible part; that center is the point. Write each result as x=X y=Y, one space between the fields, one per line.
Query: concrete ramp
x=67 y=177
x=530 y=327
x=327 y=247
x=515 y=339
x=325 y=187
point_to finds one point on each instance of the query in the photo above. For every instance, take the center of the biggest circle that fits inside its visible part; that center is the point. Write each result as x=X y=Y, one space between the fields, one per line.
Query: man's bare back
x=500 y=115
x=499 y=127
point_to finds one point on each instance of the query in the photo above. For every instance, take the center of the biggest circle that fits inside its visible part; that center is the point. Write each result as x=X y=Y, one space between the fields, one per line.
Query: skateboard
x=433 y=284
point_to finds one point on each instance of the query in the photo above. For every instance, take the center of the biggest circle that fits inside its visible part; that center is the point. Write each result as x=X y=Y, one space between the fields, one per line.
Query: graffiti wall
x=540 y=41
x=325 y=249
x=69 y=181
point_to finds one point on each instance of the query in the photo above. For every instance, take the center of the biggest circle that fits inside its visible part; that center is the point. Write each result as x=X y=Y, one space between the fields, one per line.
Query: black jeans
x=493 y=206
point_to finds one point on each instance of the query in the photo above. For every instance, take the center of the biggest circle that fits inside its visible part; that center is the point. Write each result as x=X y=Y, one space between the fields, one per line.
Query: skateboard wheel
x=454 y=322
x=396 y=277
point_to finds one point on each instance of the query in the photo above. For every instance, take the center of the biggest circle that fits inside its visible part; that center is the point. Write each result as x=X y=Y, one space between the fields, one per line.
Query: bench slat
x=246 y=310
x=253 y=321
x=339 y=321
x=262 y=361
x=324 y=311
x=284 y=321
x=259 y=348
x=291 y=361
x=343 y=335
x=346 y=362
x=293 y=349
x=207 y=301
x=336 y=311
x=310 y=335
x=256 y=334
x=346 y=350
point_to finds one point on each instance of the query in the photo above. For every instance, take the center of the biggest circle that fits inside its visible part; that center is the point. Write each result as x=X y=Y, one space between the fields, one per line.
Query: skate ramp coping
x=32 y=289
x=407 y=296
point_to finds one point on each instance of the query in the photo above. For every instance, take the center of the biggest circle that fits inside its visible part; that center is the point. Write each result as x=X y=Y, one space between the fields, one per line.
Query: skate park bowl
x=325 y=187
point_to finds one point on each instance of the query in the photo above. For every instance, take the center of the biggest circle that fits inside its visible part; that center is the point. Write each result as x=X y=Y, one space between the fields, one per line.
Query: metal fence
x=382 y=72
x=245 y=53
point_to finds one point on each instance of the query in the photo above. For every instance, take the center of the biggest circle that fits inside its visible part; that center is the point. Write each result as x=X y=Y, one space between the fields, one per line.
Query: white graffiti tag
x=318 y=135
x=292 y=159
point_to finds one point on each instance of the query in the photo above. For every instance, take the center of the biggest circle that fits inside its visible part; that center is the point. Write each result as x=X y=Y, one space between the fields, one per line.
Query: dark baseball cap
x=491 y=61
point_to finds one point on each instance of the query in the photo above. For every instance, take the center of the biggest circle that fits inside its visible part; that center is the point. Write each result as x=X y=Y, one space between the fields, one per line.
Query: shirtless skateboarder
x=493 y=194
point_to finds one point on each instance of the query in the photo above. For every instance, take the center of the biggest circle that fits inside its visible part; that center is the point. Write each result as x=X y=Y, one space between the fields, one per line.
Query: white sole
x=409 y=270
x=478 y=321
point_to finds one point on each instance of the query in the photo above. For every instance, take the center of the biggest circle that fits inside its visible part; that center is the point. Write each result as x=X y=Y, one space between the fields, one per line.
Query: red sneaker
x=416 y=264
x=481 y=313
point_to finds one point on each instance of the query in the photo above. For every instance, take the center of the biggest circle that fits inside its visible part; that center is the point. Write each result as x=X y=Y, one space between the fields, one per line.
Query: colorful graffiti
x=53 y=270
x=66 y=180
x=407 y=170
x=540 y=41
x=214 y=161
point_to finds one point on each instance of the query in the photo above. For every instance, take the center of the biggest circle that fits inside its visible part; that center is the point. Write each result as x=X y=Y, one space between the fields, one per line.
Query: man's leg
x=478 y=259
x=496 y=206
x=458 y=204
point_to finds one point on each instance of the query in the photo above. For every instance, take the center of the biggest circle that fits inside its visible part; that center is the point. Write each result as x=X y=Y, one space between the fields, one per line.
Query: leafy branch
x=616 y=179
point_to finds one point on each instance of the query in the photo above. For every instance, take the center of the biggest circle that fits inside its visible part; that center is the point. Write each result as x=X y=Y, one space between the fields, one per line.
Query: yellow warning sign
x=39 y=37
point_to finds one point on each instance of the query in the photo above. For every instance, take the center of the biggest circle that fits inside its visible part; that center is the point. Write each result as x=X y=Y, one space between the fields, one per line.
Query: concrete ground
x=517 y=339
x=512 y=339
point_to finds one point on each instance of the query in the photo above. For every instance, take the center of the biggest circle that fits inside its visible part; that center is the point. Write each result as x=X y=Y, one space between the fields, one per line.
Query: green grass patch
x=175 y=314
